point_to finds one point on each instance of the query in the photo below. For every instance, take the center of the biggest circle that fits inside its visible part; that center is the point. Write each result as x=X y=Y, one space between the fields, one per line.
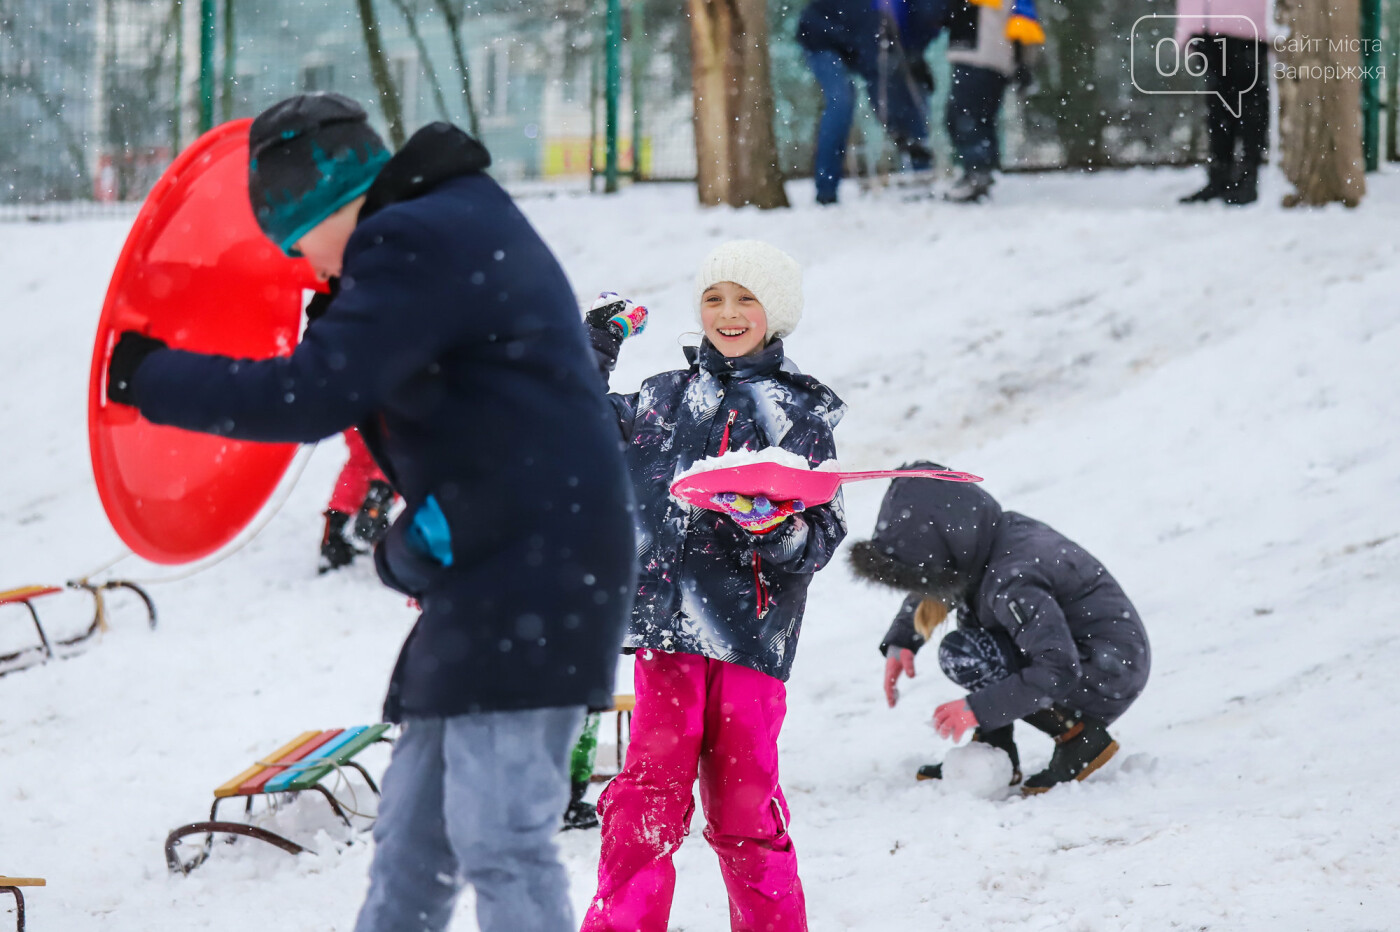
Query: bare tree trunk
x=379 y=72
x=410 y=18
x=1320 y=111
x=736 y=151
x=454 y=30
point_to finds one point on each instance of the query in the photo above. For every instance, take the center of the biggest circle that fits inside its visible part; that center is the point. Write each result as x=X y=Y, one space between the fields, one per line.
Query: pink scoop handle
x=948 y=475
x=784 y=483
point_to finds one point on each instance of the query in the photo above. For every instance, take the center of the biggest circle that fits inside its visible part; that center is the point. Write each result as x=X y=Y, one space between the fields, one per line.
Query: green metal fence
x=96 y=96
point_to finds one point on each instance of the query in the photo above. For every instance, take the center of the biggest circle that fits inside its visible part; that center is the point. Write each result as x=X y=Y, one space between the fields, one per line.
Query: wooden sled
x=44 y=651
x=11 y=885
x=297 y=766
x=623 y=704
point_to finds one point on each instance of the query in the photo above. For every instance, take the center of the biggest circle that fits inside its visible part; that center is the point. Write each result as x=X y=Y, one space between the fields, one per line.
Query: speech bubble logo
x=1171 y=58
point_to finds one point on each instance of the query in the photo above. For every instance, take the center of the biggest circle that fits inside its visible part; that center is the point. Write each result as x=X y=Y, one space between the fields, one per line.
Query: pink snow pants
x=355 y=476
x=720 y=722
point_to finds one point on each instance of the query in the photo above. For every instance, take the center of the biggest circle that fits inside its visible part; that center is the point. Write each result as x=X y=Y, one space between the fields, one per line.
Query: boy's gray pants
x=474 y=799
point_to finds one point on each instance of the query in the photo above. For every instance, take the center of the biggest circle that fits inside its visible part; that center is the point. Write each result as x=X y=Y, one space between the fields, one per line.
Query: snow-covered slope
x=1205 y=399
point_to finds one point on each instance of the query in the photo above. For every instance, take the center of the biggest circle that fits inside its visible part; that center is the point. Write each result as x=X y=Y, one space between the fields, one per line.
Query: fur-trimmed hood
x=932 y=538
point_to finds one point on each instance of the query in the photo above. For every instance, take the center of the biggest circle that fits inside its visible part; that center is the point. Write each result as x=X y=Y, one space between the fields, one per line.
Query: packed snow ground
x=1204 y=398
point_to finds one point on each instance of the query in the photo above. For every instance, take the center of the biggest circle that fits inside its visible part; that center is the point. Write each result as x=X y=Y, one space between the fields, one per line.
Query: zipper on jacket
x=724 y=441
x=760 y=590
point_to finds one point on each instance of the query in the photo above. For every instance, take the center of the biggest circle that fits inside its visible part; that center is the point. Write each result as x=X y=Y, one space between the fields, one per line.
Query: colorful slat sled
x=44 y=651
x=296 y=766
x=11 y=885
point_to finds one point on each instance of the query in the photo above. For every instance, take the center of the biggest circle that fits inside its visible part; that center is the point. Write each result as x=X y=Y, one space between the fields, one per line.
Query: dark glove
x=1027 y=57
x=611 y=311
x=612 y=319
x=131 y=350
x=887 y=31
x=321 y=301
x=922 y=76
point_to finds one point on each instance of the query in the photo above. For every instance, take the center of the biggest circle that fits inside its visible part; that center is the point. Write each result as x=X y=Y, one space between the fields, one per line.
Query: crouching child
x=1044 y=634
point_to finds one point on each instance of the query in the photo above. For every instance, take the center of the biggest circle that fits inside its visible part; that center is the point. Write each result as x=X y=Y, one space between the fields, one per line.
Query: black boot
x=1082 y=745
x=1244 y=187
x=580 y=814
x=336 y=550
x=373 y=519
x=998 y=738
x=1217 y=182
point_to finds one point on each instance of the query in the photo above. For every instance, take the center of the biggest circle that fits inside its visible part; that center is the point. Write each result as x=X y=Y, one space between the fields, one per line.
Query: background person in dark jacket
x=455 y=344
x=1044 y=633
x=883 y=42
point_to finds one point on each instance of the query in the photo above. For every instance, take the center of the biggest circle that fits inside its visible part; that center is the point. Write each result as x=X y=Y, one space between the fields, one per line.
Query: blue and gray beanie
x=309 y=156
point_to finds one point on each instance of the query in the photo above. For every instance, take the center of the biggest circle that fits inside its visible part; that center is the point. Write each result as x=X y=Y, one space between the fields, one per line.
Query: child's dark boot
x=998 y=738
x=336 y=549
x=1082 y=745
x=580 y=814
x=373 y=520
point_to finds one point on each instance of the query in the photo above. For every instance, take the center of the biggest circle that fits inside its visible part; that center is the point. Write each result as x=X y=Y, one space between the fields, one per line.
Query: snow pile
x=977 y=769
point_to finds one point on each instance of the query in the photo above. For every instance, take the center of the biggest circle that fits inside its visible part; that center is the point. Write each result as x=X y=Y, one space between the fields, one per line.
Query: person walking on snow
x=990 y=43
x=883 y=42
x=1045 y=635
x=719 y=601
x=1232 y=36
x=455 y=345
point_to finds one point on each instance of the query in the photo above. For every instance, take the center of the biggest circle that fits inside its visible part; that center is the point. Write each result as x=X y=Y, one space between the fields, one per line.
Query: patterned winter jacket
x=704 y=585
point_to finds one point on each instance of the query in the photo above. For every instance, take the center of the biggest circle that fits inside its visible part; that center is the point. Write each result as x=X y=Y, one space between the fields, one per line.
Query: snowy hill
x=1205 y=399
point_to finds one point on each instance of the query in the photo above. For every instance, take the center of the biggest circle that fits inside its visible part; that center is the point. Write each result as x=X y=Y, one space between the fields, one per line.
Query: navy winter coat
x=706 y=586
x=854 y=30
x=1081 y=642
x=455 y=344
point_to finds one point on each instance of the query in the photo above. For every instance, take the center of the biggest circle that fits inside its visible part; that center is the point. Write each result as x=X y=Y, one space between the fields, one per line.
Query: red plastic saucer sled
x=787 y=483
x=197 y=273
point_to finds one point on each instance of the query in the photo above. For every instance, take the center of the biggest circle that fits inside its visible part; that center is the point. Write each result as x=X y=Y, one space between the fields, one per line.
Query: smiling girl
x=720 y=599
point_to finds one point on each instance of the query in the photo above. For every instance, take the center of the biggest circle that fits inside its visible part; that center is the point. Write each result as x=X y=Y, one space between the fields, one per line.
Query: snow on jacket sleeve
x=902 y=633
x=1027 y=609
x=806 y=542
x=379 y=332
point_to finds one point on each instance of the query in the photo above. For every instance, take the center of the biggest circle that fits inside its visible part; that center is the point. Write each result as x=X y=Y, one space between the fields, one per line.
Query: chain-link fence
x=96 y=96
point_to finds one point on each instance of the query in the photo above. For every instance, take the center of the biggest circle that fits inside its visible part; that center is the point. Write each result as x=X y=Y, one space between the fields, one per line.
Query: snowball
x=978 y=770
x=746 y=458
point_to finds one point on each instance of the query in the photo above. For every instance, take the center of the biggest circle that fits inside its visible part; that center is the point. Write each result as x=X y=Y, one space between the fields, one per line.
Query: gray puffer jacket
x=1081 y=642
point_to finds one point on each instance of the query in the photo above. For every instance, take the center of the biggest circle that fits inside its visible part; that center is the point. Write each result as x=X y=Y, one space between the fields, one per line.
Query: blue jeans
x=974 y=116
x=474 y=799
x=838 y=109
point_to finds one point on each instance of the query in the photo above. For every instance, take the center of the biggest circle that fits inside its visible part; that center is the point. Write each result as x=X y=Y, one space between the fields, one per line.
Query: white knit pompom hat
x=774 y=277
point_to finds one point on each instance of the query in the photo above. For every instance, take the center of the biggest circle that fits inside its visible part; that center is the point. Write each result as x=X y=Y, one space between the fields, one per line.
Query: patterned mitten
x=756 y=515
x=611 y=311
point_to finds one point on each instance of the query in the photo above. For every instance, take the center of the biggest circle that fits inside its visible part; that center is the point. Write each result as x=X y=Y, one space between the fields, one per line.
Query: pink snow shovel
x=788 y=483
